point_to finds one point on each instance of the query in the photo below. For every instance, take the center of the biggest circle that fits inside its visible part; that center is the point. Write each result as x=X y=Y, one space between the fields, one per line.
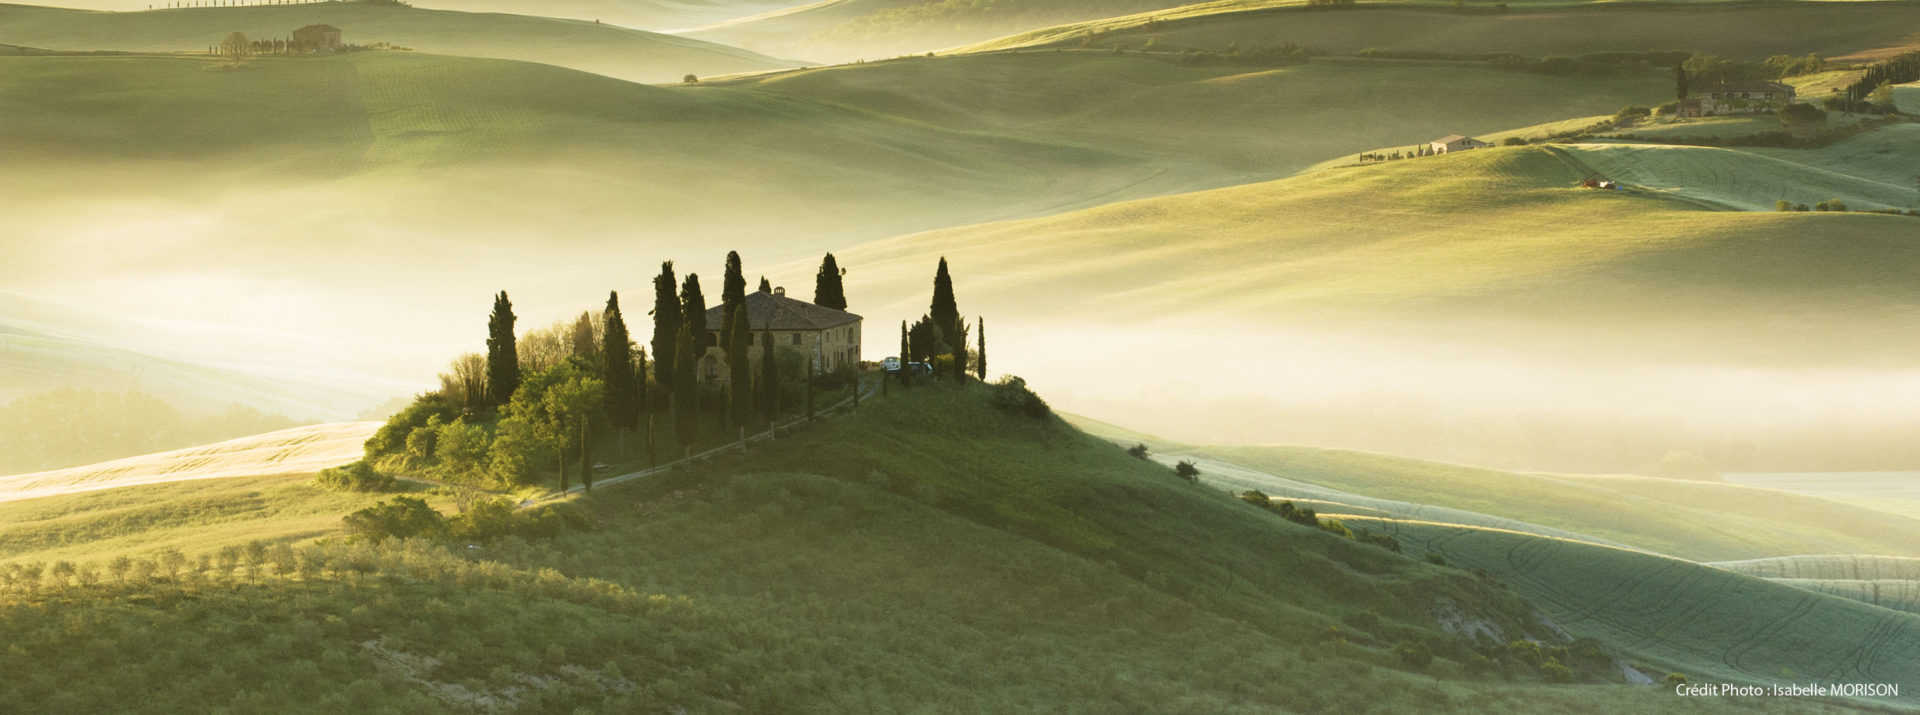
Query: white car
x=891 y=364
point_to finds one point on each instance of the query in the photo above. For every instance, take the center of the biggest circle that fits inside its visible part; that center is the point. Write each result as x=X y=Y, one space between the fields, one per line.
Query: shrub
x=1524 y=651
x=1138 y=451
x=402 y=518
x=1010 y=394
x=356 y=477
x=1555 y=671
x=1372 y=538
x=1513 y=141
x=1187 y=470
x=391 y=438
x=1783 y=205
x=1257 y=498
x=1414 y=655
x=1436 y=558
x=1675 y=680
x=1333 y=526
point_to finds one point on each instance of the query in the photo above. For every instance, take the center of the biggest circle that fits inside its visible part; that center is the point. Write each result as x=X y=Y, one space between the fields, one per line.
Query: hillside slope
x=583 y=45
x=927 y=550
x=844 y=30
x=1746 y=31
x=300 y=450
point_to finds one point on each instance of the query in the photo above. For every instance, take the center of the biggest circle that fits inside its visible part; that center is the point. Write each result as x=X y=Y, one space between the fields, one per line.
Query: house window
x=796 y=338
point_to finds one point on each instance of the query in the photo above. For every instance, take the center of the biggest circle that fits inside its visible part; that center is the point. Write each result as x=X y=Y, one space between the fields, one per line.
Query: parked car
x=891 y=364
x=919 y=368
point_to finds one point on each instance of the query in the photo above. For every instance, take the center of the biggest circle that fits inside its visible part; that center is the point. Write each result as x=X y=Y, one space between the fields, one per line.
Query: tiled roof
x=766 y=311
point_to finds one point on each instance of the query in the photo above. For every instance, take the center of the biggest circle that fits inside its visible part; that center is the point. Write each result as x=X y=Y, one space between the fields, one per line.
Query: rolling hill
x=583 y=45
x=300 y=451
x=927 y=551
x=846 y=30
x=1746 y=31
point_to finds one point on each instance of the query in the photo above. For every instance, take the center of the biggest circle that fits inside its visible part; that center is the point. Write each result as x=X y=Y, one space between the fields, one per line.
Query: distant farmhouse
x=1455 y=142
x=1751 y=97
x=317 y=38
x=830 y=337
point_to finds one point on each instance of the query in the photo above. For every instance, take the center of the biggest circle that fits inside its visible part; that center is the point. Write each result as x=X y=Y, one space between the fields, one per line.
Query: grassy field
x=1748 y=31
x=842 y=30
x=1863 y=172
x=583 y=45
x=296 y=451
x=1708 y=623
x=928 y=551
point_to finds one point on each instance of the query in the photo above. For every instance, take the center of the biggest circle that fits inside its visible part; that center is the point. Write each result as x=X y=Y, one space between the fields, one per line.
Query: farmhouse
x=1743 y=97
x=830 y=337
x=317 y=38
x=1456 y=142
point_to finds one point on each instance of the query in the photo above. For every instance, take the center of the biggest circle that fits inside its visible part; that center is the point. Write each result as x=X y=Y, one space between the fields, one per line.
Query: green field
x=1747 y=31
x=1864 y=172
x=927 y=551
x=582 y=45
x=842 y=30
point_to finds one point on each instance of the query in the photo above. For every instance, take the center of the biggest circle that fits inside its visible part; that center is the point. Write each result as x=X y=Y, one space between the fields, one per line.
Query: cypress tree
x=693 y=312
x=503 y=357
x=646 y=408
x=959 y=353
x=1680 y=81
x=980 y=360
x=828 y=291
x=765 y=286
x=740 y=367
x=733 y=291
x=583 y=336
x=769 y=378
x=906 y=353
x=623 y=394
x=684 y=390
x=945 y=312
x=666 y=326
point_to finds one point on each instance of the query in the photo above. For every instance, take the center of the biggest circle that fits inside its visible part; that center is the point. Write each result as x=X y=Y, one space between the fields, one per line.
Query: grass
x=1693 y=520
x=1737 y=30
x=1858 y=171
x=300 y=450
x=1708 y=623
x=582 y=45
x=841 y=30
x=927 y=551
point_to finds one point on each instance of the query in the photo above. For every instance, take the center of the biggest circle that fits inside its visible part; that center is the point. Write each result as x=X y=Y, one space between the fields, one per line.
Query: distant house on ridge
x=317 y=38
x=830 y=337
x=1456 y=142
x=1750 y=97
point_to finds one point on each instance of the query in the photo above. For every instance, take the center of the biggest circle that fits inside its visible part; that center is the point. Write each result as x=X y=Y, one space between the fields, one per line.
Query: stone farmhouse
x=1737 y=98
x=317 y=38
x=1455 y=142
x=830 y=337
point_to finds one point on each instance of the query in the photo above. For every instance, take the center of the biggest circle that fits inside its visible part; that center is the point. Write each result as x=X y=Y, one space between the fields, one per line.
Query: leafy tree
x=1187 y=470
x=1802 y=118
x=466 y=381
x=1138 y=451
x=980 y=360
x=236 y=48
x=1709 y=70
x=733 y=291
x=666 y=325
x=828 y=288
x=402 y=518
x=583 y=342
x=571 y=405
x=623 y=379
x=462 y=450
x=503 y=360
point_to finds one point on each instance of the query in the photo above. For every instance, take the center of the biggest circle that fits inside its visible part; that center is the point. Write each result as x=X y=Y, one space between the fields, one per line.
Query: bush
x=1372 y=538
x=1436 y=558
x=1414 y=655
x=1783 y=205
x=1513 y=141
x=356 y=477
x=391 y=438
x=1555 y=671
x=1138 y=451
x=403 y=518
x=1010 y=394
x=1675 y=680
x=1333 y=526
x=1187 y=470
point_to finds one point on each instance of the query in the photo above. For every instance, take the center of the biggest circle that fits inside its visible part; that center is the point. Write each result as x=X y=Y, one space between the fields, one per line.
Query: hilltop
x=583 y=45
x=867 y=556
x=843 y=30
x=1739 y=30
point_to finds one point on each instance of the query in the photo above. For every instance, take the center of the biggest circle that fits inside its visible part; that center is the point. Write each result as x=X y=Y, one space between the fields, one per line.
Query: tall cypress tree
x=945 y=312
x=583 y=344
x=980 y=360
x=693 y=311
x=1680 y=80
x=769 y=379
x=685 y=369
x=740 y=367
x=666 y=326
x=503 y=357
x=623 y=395
x=765 y=285
x=958 y=350
x=906 y=354
x=828 y=290
x=733 y=291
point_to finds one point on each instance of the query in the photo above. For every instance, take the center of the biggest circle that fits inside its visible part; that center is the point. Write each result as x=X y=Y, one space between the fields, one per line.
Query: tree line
x=547 y=401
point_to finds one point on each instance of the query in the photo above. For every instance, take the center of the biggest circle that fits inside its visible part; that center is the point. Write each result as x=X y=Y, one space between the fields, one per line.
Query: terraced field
x=582 y=45
x=1749 y=31
x=297 y=451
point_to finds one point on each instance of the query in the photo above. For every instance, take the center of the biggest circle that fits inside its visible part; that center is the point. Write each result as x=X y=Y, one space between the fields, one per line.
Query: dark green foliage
x=1138 y=451
x=1436 y=558
x=1675 y=679
x=766 y=286
x=980 y=355
x=733 y=292
x=402 y=518
x=1801 y=118
x=1680 y=86
x=957 y=355
x=1415 y=655
x=623 y=388
x=769 y=385
x=829 y=288
x=391 y=438
x=944 y=313
x=1513 y=141
x=1187 y=470
x=740 y=368
x=1333 y=526
x=503 y=357
x=1901 y=69
x=685 y=385
x=1374 y=538
x=582 y=342
x=356 y=477
x=666 y=325
x=1010 y=394
x=1782 y=66
x=927 y=340
x=693 y=311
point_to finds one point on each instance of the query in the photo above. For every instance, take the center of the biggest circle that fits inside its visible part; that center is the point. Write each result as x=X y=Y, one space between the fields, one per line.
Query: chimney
x=780 y=291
